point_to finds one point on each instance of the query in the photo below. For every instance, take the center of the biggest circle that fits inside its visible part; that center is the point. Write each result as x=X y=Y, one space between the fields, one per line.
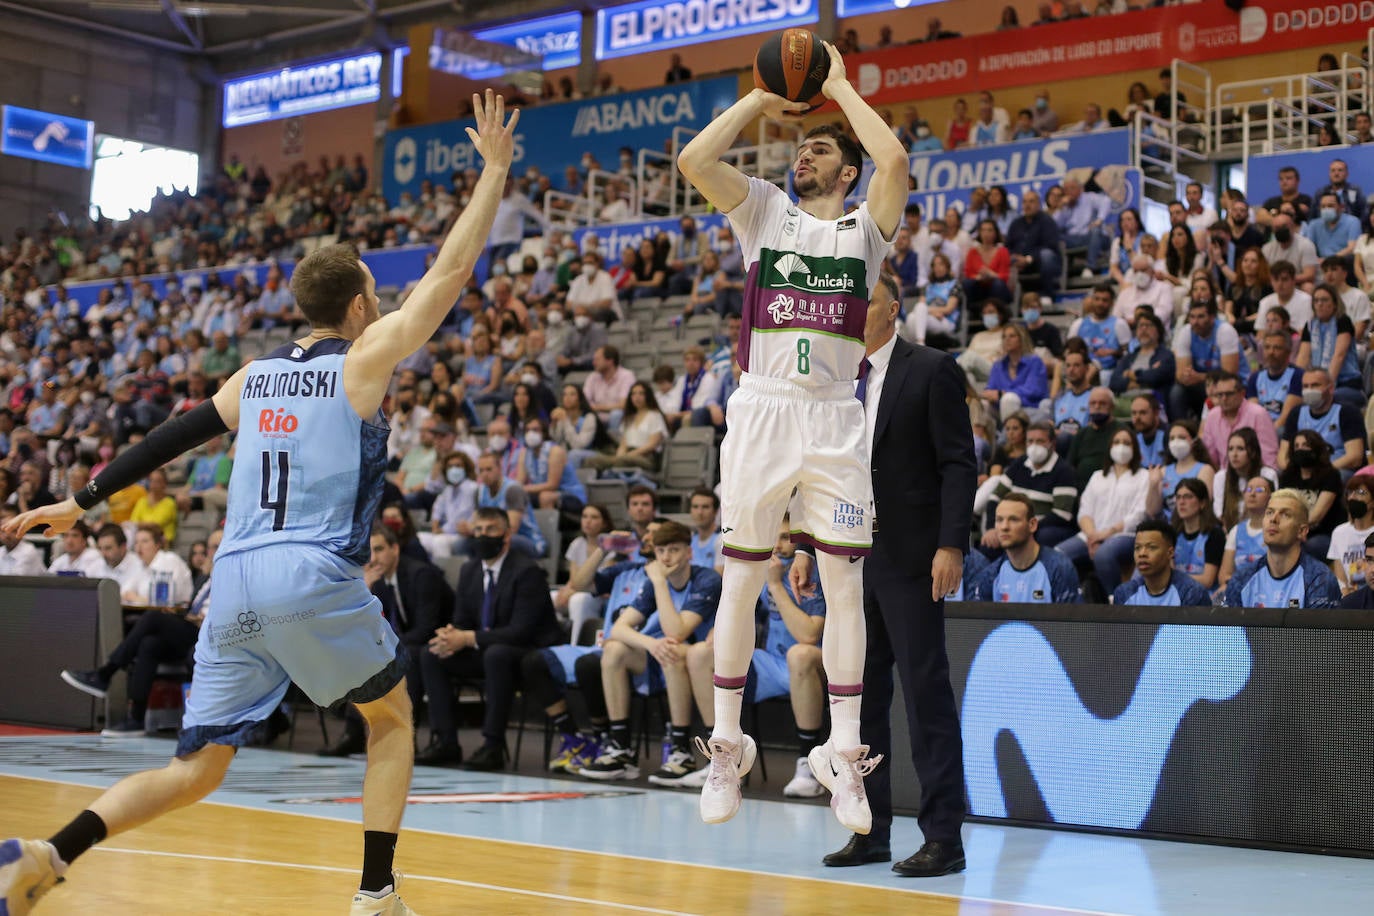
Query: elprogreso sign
x=652 y=25
x=46 y=137
x=303 y=88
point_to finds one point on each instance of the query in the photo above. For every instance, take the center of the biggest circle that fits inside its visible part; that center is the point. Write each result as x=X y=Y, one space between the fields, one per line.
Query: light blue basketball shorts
x=770 y=678
x=289 y=613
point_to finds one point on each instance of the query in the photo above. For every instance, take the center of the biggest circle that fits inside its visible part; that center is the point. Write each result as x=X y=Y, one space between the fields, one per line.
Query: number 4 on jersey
x=278 y=505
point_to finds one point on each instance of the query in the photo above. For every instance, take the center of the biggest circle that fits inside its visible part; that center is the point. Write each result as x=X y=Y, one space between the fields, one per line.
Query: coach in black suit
x=502 y=611
x=415 y=599
x=924 y=478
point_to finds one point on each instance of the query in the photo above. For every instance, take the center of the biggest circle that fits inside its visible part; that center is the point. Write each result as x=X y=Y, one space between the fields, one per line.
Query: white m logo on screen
x=1093 y=771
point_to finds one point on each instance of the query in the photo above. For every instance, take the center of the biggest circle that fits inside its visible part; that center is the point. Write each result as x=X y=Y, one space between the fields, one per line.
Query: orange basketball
x=793 y=64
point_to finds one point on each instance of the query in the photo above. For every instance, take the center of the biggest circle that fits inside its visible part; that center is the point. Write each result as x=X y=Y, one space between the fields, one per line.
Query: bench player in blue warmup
x=289 y=600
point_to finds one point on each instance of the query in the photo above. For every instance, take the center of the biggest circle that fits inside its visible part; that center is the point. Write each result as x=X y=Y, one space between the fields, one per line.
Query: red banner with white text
x=1102 y=45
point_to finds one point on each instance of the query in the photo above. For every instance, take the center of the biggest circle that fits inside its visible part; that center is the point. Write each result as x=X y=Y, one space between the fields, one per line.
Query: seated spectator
x=648 y=644
x=1088 y=452
x=594 y=289
x=905 y=263
x=1244 y=235
x=1296 y=302
x=593 y=522
x=1362 y=597
x=987 y=268
x=1200 y=217
x=1232 y=412
x=1355 y=302
x=1125 y=245
x=1049 y=343
x=585 y=338
x=32 y=492
x=1201 y=540
x=1347 y=551
x=1205 y=345
x=576 y=427
x=17 y=556
x=1071 y=404
x=1310 y=473
x=960 y=126
x=704 y=298
x=1339 y=425
x=157 y=638
x=642 y=434
x=482 y=371
x=1289 y=194
x=157 y=506
x=694 y=399
x=1245 y=540
x=1244 y=462
x=158 y=564
x=413 y=474
x=78 y=557
x=1290 y=246
x=1013 y=444
x=1277 y=384
x=1270 y=582
x=1024 y=128
x=1143 y=289
x=501 y=611
x=1019 y=377
x=1349 y=197
x=787 y=665
x=120 y=563
x=545 y=472
x=1333 y=231
x=1328 y=343
x=1247 y=289
x=608 y=386
x=651 y=273
x=1105 y=334
x=1092 y=121
x=1033 y=242
x=1151 y=435
x=524 y=407
x=1364 y=257
x=1187 y=458
x=1044 y=119
x=987 y=130
x=1149 y=366
x=998 y=209
x=1113 y=504
x=1042 y=477
x=496 y=491
x=450 y=518
x=1157 y=581
x=1027 y=572
x=938 y=308
x=1182 y=258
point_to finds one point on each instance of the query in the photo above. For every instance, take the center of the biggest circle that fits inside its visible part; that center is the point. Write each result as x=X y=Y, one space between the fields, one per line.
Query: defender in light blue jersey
x=289 y=602
x=1285 y=576
x=1157 y=583
x=1027 y=573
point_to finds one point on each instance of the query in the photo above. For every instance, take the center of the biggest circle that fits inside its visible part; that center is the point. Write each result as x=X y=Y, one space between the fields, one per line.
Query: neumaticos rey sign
x=304 y=88
x=653 y=25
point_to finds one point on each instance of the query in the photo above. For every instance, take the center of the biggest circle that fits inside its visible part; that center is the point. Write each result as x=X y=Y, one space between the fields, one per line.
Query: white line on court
x=405 y=877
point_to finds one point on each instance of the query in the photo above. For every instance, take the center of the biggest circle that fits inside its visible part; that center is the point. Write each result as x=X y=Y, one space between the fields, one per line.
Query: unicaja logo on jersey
x=783 y=308
x=797 y=274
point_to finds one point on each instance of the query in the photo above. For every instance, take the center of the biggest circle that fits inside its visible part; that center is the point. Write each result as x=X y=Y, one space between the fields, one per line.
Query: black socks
x=78 y=836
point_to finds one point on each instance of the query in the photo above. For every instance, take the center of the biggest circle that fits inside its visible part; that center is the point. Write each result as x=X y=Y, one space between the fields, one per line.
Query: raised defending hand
x=58 y=518
x=494 y=138
x=836 y=74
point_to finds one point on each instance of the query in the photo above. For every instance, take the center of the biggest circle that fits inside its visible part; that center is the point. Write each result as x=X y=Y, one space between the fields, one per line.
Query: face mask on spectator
x=581 y=322
x=554 y=318
x=456 y=475
x=566 y=255
x=1037 y=453
x=497 y=442
x=488 y=546
x=1180 y=448
x=1312 y=397
x=1329 y=214
x=1098 y=417
x=529 y=378
x=589 y=270
x=1357 y=508
x=923 y=131
x=1031 y=315
x=498 y=270
x=1304 y=458
x=1041 y=102
x=1283 y=236
x=87 y=397
x=1121 y=454
x=1142 y=279
x=534 y=439
x=991 y=321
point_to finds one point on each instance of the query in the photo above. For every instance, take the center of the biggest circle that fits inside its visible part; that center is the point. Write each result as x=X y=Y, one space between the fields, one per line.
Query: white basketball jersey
x=806 y=288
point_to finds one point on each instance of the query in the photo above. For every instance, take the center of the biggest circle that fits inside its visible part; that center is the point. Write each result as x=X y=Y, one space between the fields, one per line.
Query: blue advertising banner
x=557 y=39
x=46 y=137
x=1314 y=165
x=553 y=137
x=864 y=7
x=653 y=25
x=611 y=240
x=303 y=88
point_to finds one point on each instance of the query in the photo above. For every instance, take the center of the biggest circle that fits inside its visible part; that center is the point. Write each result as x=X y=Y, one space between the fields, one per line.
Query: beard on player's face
x=816 y=183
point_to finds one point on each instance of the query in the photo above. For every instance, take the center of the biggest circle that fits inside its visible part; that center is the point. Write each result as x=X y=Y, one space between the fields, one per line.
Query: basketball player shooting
x=797 y=420
x=288 y=601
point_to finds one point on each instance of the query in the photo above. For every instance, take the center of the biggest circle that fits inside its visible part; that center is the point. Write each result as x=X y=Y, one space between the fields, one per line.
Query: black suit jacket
x=524 y=610
x=425 y=598
x=924 y=471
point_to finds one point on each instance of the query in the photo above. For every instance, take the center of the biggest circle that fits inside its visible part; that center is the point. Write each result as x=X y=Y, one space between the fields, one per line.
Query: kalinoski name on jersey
x=297 y=383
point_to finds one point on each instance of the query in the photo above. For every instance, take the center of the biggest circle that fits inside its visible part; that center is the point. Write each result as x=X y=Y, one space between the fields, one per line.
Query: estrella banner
x=655 y=25
x=612 y=239
x=46 y=137
x=553 y=137
x=1102 y=45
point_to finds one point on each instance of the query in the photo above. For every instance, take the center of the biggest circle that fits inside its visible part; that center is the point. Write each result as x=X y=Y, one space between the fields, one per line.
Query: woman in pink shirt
x=987 y=268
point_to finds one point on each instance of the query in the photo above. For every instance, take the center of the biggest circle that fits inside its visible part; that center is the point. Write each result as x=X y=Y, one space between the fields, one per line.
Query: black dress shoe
x=353 y=741
x=860 y=850
x=489 y=758
x=438 y=755
x=931 y=860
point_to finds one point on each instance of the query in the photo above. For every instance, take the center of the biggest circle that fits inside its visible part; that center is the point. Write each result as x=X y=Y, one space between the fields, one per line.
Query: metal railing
x=1250 y=113
x=1161 y=148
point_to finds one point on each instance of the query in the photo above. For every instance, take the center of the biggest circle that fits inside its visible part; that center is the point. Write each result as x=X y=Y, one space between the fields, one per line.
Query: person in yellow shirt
x=157 y=506
x=122 y=504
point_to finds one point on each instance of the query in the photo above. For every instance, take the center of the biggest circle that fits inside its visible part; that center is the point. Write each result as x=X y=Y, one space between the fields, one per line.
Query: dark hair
x=1160 y=527
x=603 y=512
x=1199 y=452
x=1282 y=267
x=325 y=282
x=386 y=534
x=641 y=490
x=1289 y=169
x=491 y=514
x=997 y=233
x=888 y=282
x=850 y=152
x=1337 y=303
x=1332 y=261
x=1232 y=500
x=611 y=352
x=1158 y=325
x=1321 y=450
x=1178 y=264
x=1044 y=426
x=110 y=529
x=155 y=532
x=671 y=532
x=1107 y=461
x=707 y=492
x=80 y=528
x=650 y=403
x=1206 y=520
x=1022 y=499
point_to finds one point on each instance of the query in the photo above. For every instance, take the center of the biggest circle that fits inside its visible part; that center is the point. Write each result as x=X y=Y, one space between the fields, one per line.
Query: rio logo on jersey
x=846 y=516
x=277 y=424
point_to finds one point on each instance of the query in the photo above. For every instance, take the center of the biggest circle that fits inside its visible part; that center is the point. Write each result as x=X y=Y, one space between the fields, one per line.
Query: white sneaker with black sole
x=843 y=772
x=803 y=784
x=614 y=762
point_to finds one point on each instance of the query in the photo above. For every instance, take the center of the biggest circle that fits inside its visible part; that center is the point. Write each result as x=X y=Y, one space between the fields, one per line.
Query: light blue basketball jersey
x=1273 y=392
x=1071 y=410
x=1190 y=552
x=1029 y=586
x=1141 y=597
x=1263 y=590
x=1249 y=547
x=308 y=470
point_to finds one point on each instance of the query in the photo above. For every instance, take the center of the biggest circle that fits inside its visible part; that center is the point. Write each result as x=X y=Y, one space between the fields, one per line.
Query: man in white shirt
x=78 y=557
x=1200 y=218
x=1144 y=288
x=695 y=393
x=593 y=288
x=17 y=556
x=149 y=547
x=1288 y=244
x=406 y=422
x=1298 y=304
x=120 y=564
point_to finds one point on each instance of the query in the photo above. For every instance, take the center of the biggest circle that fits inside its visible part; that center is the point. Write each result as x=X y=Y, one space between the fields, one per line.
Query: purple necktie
x=862 y=389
